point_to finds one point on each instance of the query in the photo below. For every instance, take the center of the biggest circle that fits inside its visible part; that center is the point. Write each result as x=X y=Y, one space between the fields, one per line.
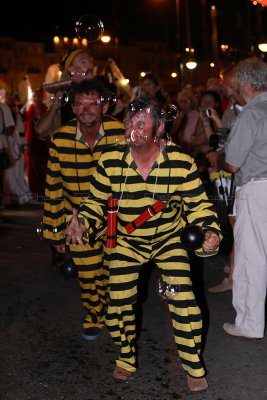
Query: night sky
x=129 y=18
x=132 y=20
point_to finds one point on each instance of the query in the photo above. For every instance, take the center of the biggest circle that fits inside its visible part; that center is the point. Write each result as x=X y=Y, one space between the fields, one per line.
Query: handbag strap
x=3 y=119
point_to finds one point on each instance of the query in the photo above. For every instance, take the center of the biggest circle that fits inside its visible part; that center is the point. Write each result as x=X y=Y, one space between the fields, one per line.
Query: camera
x=219 y=138
x=208 y=112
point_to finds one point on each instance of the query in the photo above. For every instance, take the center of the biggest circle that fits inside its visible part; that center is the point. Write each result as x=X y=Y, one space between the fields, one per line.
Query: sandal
x=122 y=375
x=197 y=384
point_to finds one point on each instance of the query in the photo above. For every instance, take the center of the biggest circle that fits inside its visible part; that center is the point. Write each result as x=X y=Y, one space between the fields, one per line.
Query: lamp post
x=116 y=42
x=178 y=46
x=177 y=24
x=214 y=37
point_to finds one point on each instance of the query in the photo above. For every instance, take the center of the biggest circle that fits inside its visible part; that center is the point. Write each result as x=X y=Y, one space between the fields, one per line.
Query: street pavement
x=43 y=357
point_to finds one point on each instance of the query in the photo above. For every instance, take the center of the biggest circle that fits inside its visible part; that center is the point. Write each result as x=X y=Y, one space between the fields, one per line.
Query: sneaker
x=90 y=333
x=197 y=384
x=233 y=330
x=225 y=286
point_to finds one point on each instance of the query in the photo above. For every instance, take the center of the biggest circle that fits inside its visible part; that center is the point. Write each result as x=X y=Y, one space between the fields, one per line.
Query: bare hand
x=56 y=99
x=203 y=115
x=74 y=232
x=215 y=117
x=211 y=242
x=213 y=157
x=60 y=248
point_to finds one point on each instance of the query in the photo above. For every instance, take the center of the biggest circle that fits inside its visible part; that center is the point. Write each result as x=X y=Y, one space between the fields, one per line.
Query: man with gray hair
x=246 y=151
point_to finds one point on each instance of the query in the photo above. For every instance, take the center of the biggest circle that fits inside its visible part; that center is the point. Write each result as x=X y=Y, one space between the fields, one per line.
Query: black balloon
x=68 y=269
x=192 y=237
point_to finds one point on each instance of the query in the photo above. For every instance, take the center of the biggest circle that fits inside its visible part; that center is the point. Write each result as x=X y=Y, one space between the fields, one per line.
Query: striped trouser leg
x=186 y=317
x=93 y=275
x=124 y=266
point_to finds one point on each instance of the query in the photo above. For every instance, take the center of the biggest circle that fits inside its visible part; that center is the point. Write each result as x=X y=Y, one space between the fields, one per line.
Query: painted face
x=88 y=108
x=81 y=66
x=139 y=128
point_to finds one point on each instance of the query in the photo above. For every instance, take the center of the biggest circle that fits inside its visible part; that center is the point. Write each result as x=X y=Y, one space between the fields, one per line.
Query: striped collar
x=127 y=157
x=79 y=136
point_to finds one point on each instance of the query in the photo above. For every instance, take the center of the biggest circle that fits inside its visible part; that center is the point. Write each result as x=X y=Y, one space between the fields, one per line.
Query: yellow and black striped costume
x=70 y=169
x=174 y=179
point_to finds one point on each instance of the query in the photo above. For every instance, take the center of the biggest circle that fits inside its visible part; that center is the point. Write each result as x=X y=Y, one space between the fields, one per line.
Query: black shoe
x=57 y=258
x=90 y=333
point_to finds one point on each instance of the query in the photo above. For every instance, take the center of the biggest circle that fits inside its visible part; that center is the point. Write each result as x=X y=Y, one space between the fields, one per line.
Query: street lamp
x=56 y=40
x=263 y=47
x=190 y=63
x=62 y=44
x=105 y=38
x=261 y=2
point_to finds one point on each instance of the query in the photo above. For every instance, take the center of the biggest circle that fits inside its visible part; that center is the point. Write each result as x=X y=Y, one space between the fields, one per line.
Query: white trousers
x=250 y=264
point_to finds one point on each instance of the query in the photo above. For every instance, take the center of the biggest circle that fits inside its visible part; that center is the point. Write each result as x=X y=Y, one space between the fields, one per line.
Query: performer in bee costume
x=157 y=188
x=74 y=152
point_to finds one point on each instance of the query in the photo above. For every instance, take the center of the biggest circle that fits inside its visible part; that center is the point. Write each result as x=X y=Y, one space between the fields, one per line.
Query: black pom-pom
x=192 y=237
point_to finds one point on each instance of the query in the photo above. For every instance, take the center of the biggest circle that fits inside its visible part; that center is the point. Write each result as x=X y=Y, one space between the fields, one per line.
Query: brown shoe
x=197 y=384
x=122 y=375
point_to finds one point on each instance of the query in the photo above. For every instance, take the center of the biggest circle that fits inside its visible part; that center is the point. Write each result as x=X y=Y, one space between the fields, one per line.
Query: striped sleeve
x=94 y=209
x=198 y=209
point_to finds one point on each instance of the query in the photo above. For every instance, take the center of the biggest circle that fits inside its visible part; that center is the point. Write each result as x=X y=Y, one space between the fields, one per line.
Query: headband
x=68 y=58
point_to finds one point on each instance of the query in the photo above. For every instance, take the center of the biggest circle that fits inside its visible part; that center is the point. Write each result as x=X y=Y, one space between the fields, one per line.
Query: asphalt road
x=43 y=357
